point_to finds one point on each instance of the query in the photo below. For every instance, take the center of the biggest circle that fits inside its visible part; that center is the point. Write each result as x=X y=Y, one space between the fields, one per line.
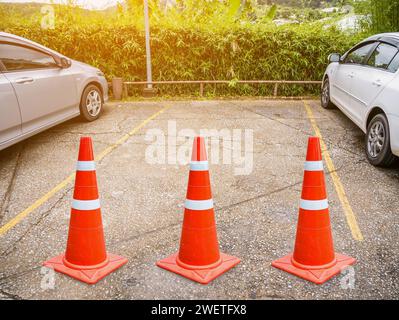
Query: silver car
x=364 y=84
x=40 y=88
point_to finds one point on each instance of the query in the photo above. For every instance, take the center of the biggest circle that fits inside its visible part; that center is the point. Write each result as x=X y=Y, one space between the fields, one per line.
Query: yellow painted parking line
x=20 y=216
x=349 y=214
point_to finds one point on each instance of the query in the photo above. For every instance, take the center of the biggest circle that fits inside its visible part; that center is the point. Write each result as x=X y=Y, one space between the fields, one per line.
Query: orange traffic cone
x=199 y=258
x=314 y=258
x=85 y=258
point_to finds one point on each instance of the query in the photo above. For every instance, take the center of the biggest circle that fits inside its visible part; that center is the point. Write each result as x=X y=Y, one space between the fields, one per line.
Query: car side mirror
x=65 y=63
x=334 y=57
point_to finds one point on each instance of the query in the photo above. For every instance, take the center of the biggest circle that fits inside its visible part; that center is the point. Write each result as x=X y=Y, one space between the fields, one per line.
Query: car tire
x=325 y=95
x=378 y=142
x=91 y=104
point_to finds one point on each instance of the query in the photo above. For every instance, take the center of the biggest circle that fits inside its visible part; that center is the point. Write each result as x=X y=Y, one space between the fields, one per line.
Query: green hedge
x=258 y=52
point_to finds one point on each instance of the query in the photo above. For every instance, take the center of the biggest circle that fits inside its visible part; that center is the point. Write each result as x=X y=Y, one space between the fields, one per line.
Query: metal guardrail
x=202 y=83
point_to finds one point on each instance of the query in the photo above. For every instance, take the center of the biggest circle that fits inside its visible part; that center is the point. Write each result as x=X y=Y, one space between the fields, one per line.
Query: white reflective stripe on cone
x=314 y=204
x=199 y=204
x=199 y=166
x=86 y=166
x=314 y=166
x=85 y=204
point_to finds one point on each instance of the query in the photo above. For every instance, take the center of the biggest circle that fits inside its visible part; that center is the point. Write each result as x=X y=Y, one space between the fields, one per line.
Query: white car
x=40 y=88
x=364 y=84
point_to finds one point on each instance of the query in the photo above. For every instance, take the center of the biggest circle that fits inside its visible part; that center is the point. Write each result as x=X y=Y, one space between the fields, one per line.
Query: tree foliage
x=380 y=16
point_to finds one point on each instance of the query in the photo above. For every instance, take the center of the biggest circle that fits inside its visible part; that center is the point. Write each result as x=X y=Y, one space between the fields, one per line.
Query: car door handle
x=351 y=75
x=377 y=83
x=24 y=80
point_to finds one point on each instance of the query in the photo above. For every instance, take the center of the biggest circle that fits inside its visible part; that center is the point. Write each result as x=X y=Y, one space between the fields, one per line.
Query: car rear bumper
x=394 y=129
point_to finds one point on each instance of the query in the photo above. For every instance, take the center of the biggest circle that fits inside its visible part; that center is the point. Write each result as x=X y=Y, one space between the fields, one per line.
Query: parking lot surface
x=142 y=203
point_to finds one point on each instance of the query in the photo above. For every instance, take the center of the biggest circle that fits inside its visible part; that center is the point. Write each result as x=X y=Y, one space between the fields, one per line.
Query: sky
x=88 y=4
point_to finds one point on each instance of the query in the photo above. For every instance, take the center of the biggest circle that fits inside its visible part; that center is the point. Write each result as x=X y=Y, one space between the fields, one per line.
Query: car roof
x=389 y=37
x=8 y=37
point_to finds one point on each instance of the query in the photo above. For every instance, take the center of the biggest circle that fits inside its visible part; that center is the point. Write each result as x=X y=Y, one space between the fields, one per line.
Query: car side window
x=358 y=55
x=382 y=56
x=17 y=58
x=394 y=65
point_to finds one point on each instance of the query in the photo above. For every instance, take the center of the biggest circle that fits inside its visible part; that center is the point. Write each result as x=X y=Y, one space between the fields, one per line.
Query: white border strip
x=85 y=205
x=314 y=204
x=199 y=166
x=314 y=166
x=199 y=204
x=86 y=166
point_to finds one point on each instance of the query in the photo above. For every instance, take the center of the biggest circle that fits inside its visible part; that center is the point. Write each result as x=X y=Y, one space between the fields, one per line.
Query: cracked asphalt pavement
x=142 y=204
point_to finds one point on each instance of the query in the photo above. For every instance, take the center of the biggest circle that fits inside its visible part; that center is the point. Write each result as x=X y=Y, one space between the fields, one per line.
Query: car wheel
x=325 y=95
x=91 y=104
x=378 y=144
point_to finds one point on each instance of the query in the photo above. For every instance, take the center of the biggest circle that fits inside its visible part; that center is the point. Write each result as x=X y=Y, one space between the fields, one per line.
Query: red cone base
x=89 y=276
x=203 y=276
x=317 y=276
